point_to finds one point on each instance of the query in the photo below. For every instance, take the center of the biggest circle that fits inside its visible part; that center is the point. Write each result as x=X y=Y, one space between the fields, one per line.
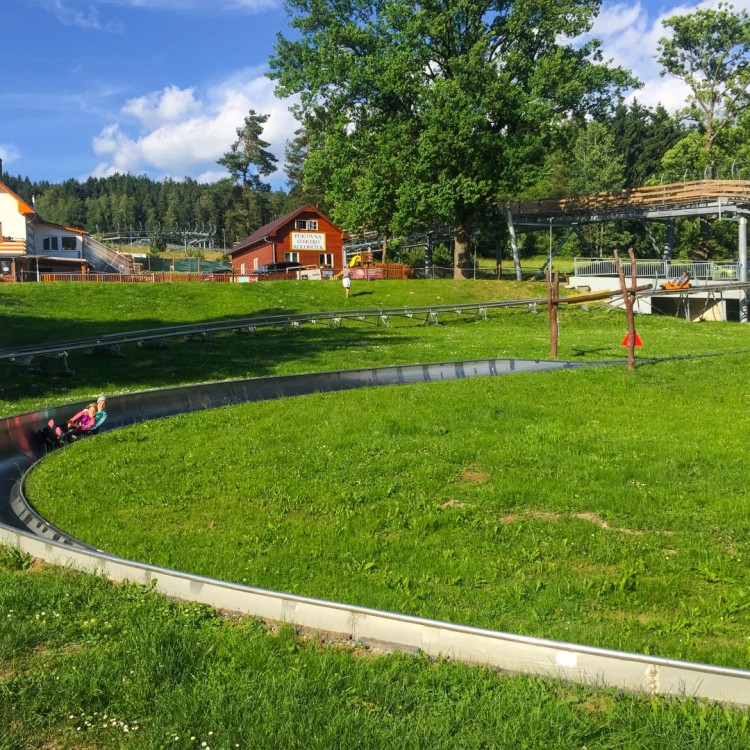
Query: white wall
x=14 y=223
x=45 y=231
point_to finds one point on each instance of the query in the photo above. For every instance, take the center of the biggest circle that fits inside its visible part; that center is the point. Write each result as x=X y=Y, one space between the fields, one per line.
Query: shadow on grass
x=584 y=352
x=27 y=329
x=222 y=356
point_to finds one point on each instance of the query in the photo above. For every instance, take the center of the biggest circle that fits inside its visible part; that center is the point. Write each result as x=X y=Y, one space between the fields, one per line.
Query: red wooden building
x=305 y=236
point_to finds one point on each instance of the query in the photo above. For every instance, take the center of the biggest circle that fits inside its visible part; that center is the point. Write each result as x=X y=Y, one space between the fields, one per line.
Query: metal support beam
x=669 y=242
x=560 y=245
x=584 y=241
x=742 y=246
x=652 y=240
x=514 y=247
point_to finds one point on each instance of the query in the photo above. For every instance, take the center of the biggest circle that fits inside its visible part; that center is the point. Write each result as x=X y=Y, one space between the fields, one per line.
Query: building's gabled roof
x=23 y=207
x=30 y=212
x=59 y=226
x=270 y=230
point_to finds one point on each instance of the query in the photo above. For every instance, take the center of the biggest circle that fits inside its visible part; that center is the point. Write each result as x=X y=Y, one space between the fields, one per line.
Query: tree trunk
x=461 y=251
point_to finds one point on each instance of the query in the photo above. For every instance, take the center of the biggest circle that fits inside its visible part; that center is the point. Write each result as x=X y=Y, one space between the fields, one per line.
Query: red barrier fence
x=370 y=273
x=148 y=278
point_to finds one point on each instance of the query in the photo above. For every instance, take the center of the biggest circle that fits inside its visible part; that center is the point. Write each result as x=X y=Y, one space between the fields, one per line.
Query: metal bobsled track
x=22 y=527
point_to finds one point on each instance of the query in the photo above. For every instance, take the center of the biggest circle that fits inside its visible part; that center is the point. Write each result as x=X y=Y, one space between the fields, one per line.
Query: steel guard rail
x=22 y=527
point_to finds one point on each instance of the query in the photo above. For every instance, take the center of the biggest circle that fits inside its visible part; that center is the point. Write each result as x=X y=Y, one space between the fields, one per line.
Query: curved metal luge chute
x=21 y=526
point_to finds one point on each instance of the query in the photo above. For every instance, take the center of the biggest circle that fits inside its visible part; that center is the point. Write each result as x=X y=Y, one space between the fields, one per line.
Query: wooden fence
x=370 y=273
x=673 y=195
x=127 y=278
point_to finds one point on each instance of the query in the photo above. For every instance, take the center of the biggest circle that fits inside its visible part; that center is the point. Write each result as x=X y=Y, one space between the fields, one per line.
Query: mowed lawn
x=36 y=313
x=598 y=506
x=87 y=664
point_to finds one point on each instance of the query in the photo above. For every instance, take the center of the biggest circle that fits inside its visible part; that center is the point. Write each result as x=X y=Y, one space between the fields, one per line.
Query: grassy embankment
x=564 y=505
x=534 y=503
x=55 y=312
x=84 y=664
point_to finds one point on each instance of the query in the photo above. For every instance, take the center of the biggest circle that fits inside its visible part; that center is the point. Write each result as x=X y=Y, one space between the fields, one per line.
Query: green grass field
x=58 y=312
x=85 y=664
x=597 y=506
x=564 y=505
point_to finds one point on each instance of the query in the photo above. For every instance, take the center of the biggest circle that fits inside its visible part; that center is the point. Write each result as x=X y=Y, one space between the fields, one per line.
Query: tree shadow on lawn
x=43 y=329
x=584 y=352
x=223 y=356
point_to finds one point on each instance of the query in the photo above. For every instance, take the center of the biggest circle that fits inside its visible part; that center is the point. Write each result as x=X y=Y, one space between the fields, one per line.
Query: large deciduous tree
x=710 y=51
x=596 y=166
x=428 y=113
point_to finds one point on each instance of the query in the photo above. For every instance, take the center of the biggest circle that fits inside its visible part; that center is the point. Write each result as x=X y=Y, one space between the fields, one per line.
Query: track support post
x=553 y=296
x=628 y=297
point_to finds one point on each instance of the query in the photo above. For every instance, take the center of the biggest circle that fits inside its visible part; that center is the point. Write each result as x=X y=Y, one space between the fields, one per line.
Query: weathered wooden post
x=628 y=297
x=553 y=298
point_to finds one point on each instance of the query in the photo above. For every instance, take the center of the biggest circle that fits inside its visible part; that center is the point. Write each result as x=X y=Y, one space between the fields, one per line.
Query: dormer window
x=309 y=224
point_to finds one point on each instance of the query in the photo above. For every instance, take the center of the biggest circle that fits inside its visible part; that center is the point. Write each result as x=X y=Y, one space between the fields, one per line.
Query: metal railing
x=165 y=277
x=659 y=269
x=103 y=258
x=672 y=195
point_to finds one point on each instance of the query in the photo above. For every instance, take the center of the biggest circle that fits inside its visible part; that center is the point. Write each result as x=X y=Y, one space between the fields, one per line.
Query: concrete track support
x=669 y=242
x=514 y=247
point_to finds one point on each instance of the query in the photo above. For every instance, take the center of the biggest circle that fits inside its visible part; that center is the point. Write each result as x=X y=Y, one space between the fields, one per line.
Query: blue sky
x=158 y=87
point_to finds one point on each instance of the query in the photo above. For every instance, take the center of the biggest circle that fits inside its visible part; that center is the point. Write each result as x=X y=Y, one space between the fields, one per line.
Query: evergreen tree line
x=122 y=202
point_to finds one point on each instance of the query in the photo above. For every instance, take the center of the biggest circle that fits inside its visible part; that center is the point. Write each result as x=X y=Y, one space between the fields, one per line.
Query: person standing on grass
x=347 y=281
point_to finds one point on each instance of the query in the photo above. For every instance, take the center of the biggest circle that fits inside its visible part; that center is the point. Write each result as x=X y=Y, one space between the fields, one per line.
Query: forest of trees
x=412 y=121
x=103 y=204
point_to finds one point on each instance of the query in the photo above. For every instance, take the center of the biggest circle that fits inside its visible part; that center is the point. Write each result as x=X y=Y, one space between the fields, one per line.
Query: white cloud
x=630 y=37
x=161 y=107
x=616 y=18
x=9 y=153
x=179 y=133
x=84 y=18
x=85 y=13
x=211 y=175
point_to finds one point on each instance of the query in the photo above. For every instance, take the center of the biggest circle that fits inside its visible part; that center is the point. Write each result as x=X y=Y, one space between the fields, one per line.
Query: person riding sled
x=85 y=422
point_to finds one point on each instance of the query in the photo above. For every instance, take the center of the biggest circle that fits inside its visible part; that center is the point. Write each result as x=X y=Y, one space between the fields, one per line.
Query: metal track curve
x=21 y=526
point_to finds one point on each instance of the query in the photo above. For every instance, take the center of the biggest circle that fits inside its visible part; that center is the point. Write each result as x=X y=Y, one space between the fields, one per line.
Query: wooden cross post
x=553 y=297
x=628 y=297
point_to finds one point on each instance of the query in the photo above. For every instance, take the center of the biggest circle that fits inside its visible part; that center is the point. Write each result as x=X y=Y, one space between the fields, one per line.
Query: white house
x=32 y=245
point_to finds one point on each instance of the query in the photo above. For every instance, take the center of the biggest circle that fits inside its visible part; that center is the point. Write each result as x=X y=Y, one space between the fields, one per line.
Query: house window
x=242 y=267
x=311 y=224
x=68 y=243
x=291 y=257
x=255 y=264
x=50 y=244
x=325 y=260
